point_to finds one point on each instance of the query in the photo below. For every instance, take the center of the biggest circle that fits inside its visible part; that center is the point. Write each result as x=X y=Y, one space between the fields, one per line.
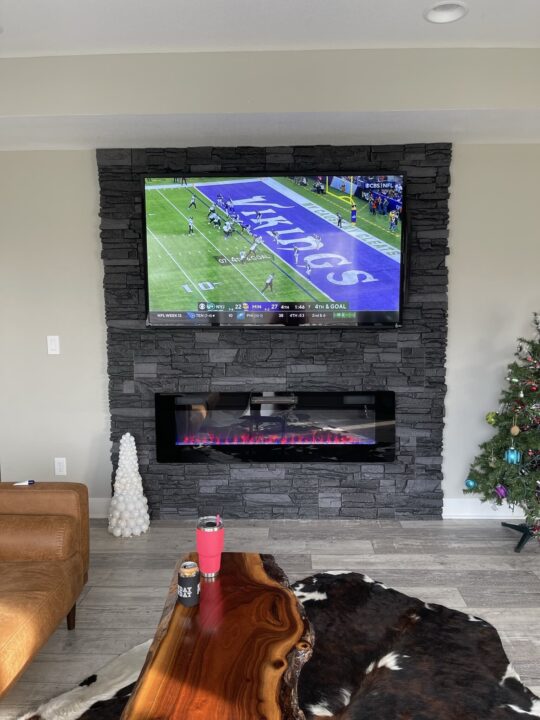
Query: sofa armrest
x=33 y=537
x=50 y=498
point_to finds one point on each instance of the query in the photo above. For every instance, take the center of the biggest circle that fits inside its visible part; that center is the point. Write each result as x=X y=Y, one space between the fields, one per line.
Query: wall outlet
x=60 y=466
x=53 y=344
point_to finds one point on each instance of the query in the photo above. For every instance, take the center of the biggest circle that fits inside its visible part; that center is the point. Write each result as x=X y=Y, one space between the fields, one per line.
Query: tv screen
x=309 y=250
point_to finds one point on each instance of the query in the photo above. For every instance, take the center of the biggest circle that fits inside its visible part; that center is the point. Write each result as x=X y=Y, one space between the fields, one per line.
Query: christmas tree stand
x=526 y=534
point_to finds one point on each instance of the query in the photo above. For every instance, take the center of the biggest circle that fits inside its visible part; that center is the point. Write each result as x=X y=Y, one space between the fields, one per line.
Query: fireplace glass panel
x=276 y=425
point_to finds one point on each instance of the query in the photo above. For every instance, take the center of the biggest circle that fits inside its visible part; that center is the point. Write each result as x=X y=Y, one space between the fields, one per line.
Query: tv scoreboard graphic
x=246 y=312
x=240 y=250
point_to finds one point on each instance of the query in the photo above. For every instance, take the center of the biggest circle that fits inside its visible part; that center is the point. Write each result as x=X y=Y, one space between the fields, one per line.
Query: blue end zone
x=342 y=267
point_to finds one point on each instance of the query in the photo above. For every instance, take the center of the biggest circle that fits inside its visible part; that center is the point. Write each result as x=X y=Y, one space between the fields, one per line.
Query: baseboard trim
x=474 y=509
x=99 y=507
x=453 y=509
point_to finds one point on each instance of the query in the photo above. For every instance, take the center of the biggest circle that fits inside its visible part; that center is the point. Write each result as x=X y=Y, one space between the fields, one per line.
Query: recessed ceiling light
x=446 y=12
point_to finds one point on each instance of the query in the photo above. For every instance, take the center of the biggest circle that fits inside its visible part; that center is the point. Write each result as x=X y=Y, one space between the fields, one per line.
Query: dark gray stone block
x=268 y=498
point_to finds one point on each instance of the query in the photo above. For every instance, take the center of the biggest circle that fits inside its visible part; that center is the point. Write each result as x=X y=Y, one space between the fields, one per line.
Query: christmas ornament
x=521 y=394
x=128 y=512
x=515 y=429
x=470 y=483
x=512 y=456
x=501 y=491
x=491 y=417
x=533 y=388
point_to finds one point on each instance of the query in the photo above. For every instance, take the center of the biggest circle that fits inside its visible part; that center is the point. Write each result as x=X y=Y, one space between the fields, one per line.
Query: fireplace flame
x=315 y=438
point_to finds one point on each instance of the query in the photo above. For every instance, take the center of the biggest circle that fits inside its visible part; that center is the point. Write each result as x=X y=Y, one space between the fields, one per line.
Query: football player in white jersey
x=269 y=283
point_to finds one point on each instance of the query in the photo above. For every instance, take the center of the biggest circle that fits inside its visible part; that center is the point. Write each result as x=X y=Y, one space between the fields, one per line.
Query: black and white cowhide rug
x=379 y=655
x=102 y=696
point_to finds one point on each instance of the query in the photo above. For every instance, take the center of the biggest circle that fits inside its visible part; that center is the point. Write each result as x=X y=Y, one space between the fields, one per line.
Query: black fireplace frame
x=383 y=450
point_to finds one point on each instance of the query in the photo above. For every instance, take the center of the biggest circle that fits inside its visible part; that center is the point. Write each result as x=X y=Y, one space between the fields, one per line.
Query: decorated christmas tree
x=507 y=468
x=128 y=513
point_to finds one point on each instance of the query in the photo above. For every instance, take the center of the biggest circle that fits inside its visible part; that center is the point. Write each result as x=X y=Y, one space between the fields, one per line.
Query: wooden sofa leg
x=71 y=617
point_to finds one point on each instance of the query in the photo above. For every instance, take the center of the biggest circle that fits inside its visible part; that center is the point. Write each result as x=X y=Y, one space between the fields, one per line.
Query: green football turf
x=184 y=269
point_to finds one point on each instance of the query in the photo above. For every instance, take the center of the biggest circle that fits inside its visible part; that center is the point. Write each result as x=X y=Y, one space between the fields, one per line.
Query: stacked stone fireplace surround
x=410 y=360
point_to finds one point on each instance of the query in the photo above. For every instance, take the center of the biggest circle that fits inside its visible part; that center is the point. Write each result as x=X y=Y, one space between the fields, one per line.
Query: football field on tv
x=186 y=268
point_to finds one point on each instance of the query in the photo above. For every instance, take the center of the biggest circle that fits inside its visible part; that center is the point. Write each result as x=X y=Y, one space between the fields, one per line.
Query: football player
x=190 y=226
x=252 y=249
x=269 y=283
x=193 y=202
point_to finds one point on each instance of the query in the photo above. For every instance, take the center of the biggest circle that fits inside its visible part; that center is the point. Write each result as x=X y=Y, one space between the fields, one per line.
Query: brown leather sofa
x=44 y=550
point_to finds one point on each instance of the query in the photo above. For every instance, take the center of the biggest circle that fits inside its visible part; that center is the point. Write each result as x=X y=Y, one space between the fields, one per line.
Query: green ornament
x=491 y=417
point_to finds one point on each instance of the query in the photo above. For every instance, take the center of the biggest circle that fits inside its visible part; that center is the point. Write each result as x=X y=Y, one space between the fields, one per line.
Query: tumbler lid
x=209 y=523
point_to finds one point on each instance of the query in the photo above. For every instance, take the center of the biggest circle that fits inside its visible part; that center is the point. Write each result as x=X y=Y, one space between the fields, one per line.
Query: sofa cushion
x=34 y=598
x=37 y=537
x=45 y=498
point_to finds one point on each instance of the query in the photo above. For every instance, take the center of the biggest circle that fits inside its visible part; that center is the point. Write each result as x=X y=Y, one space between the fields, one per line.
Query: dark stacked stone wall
x=409 y=360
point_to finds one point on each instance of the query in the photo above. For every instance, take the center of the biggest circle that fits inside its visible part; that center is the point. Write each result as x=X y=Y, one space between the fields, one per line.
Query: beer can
x=189 y=584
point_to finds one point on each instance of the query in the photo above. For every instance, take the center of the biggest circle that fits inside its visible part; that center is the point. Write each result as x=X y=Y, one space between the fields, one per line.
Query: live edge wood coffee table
x=236 y=656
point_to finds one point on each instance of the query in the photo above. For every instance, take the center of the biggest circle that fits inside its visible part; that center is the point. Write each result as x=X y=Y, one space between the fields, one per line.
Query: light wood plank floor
x=461 y=564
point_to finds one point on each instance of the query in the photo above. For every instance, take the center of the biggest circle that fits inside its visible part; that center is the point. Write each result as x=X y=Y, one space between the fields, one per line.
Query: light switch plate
x=60 y=466
x=53 y=344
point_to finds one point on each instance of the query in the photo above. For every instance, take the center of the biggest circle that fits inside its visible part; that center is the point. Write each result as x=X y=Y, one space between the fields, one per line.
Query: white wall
x=494 y=288
x=51 y=283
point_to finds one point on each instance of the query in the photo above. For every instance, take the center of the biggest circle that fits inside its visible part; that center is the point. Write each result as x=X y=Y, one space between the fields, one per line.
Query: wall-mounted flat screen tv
x=310 y=250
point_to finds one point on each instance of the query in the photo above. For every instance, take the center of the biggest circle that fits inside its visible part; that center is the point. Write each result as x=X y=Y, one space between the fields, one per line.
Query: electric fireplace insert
x=275 y=427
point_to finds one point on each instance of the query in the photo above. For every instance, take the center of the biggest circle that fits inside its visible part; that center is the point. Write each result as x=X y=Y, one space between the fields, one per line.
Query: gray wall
x=409 y=360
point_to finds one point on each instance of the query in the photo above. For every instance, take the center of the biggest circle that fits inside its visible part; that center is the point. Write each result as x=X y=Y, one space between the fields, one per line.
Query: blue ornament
x=512 y=456
x=470 y=483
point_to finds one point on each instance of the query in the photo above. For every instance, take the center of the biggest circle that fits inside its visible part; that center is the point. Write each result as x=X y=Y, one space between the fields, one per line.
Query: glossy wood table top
x=235 y=656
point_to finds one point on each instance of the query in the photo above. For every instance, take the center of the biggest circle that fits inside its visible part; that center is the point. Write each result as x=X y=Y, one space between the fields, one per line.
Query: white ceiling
x=78 y=27
x=36 y=28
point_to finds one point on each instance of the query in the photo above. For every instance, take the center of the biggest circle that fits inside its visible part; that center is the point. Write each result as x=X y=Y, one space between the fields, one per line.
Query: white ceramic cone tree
x=128 y=512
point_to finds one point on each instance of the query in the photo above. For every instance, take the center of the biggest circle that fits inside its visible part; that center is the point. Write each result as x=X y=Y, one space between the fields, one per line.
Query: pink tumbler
x=210 y=540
